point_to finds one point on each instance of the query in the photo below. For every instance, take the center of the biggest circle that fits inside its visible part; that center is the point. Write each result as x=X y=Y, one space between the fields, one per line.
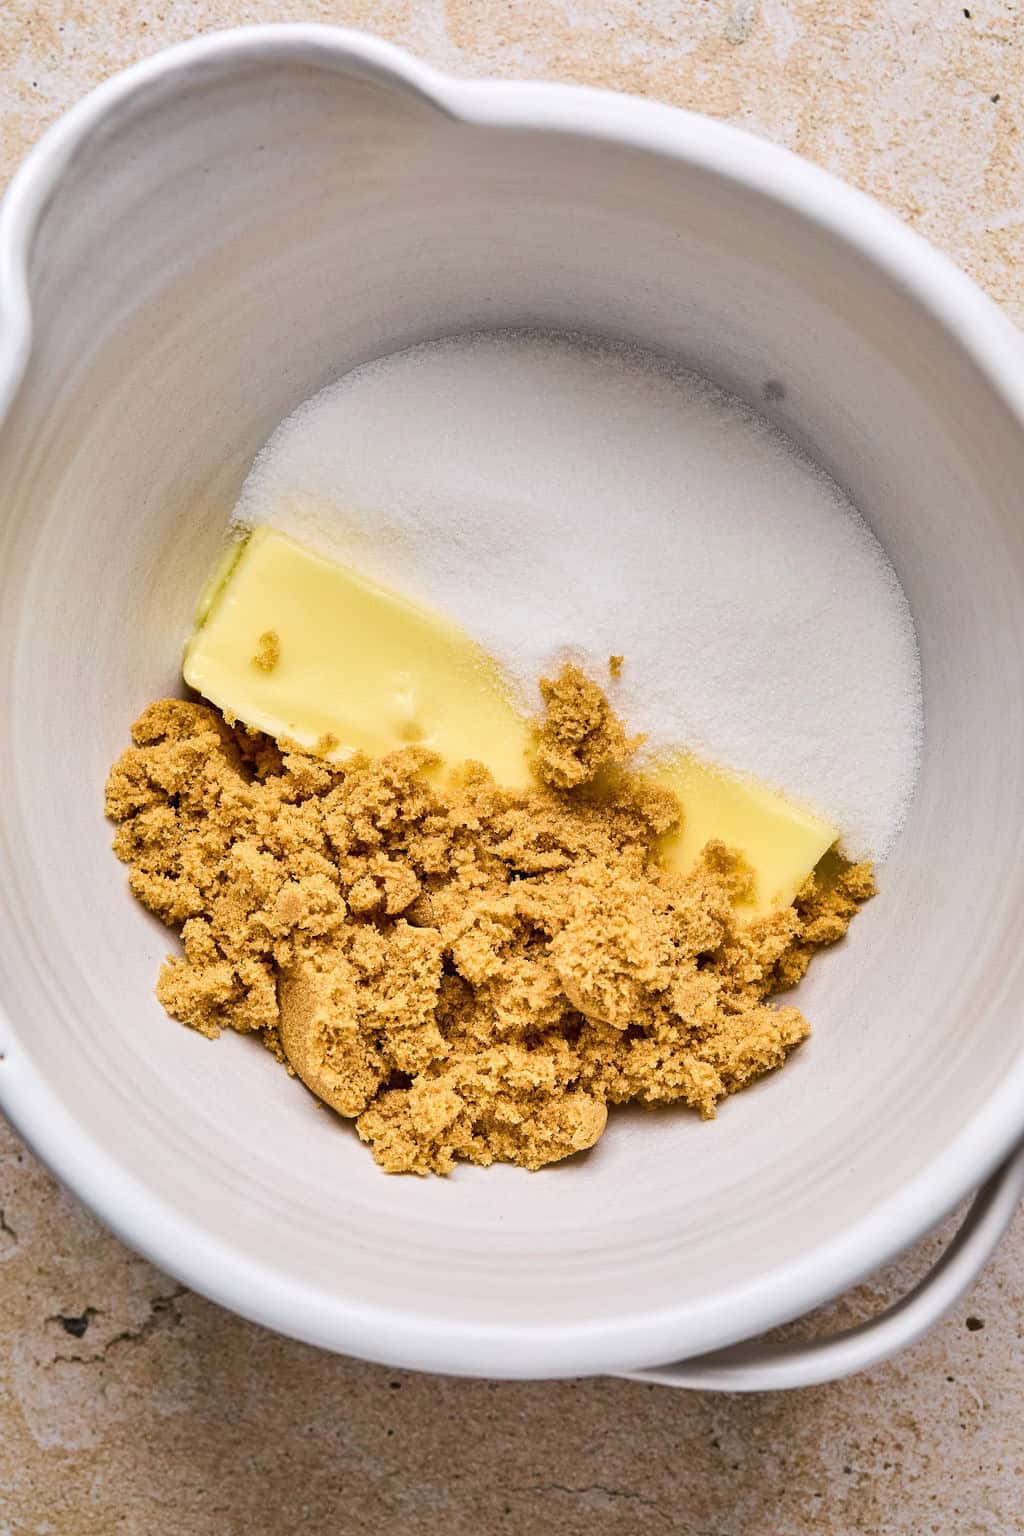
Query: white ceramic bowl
x=200 y=245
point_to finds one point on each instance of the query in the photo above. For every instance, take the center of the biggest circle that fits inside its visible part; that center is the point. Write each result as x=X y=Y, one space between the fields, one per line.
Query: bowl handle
x=763 y=1365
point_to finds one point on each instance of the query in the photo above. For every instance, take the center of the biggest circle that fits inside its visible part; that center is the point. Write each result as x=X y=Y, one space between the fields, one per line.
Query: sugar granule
x=268 y=651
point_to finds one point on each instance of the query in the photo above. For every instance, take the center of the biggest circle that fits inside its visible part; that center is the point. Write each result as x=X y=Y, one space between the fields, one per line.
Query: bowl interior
x=215 y=256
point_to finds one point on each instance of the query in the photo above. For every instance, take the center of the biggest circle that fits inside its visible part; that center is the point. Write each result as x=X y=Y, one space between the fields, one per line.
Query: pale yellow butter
x=781 y=842
x=357 y=669
x=300 y=647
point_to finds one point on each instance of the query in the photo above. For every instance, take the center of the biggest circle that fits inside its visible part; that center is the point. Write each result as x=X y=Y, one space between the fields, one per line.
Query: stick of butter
x=300 y=647
x=781 y=842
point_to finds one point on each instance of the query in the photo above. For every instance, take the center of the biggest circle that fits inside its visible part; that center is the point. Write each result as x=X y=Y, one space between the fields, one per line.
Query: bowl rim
x=137 y=1212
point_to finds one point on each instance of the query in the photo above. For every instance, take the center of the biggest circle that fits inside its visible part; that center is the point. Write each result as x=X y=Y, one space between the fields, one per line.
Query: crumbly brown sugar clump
x=465 y=971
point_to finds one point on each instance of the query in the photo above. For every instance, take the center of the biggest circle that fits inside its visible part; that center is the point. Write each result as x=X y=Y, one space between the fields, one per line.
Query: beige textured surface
x=128 y=1405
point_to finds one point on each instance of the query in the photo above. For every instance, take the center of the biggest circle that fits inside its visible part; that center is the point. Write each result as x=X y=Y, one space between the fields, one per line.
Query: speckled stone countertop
x=129 y=1405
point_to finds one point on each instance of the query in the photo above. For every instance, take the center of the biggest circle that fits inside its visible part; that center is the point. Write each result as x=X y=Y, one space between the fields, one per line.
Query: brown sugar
x=466 y=971
x=581 y=733
x=268 y=651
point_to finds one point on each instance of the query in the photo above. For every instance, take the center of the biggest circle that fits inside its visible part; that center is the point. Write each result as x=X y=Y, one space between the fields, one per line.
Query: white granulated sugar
x=561 y=497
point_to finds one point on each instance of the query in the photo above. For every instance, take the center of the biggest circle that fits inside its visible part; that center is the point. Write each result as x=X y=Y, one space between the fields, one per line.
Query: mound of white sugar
x=557 y=497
